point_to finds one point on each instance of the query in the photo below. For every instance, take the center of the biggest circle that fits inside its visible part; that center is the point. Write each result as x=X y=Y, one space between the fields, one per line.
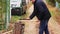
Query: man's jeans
x=43 y=27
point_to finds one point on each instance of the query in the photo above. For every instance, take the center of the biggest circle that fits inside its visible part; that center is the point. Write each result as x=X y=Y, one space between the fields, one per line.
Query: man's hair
x=33 y=1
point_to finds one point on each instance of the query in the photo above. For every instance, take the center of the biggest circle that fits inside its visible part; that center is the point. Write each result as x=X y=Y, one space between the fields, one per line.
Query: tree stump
x=18 y=28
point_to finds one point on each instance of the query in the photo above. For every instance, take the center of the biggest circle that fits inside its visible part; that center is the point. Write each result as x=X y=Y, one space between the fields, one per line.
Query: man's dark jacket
x=41 y=11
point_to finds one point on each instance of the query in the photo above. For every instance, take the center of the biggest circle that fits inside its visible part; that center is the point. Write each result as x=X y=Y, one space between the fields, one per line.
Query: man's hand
x=28 y=19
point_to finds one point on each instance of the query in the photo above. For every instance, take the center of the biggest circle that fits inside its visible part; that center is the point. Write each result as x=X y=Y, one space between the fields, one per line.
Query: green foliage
x=58 y=1
x=51 y=2
x=2 y=13
x=15 y=18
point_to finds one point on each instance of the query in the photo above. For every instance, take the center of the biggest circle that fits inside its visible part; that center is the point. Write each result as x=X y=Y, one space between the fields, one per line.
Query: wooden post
x=7 y=20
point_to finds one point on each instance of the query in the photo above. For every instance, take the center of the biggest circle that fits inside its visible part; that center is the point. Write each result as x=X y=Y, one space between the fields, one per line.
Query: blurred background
x=11 y=11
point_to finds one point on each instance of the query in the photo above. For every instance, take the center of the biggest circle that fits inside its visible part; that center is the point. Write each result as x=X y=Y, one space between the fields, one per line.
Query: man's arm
x=33 y=14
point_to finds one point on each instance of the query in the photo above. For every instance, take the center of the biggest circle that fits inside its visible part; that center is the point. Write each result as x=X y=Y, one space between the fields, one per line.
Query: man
x=43 y=15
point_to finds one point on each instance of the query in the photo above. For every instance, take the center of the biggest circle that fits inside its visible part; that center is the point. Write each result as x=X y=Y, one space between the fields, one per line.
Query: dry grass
x=54 y=12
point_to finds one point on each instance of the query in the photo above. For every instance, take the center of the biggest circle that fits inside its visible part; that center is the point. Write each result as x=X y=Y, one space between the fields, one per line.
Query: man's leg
x=46 y=27
x=46 y=30
x=42 y=27
x=41 y=30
